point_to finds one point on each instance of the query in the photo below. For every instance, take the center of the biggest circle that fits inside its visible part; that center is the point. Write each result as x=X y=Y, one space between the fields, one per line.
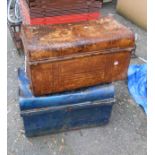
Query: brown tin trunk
x=71 y=56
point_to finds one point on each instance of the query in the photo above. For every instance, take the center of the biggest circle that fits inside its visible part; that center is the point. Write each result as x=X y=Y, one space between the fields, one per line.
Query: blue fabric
x=137 y=84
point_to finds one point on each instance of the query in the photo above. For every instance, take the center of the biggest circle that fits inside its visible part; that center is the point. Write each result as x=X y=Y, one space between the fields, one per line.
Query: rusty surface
x=42 y=42
x=71 y=74
x=71 y=56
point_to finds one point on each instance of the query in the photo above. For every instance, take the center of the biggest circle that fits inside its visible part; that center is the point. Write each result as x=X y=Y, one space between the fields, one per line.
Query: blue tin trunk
x=61 y=112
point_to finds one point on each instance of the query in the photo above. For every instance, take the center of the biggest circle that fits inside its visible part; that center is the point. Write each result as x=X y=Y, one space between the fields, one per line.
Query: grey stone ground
x=124 y=135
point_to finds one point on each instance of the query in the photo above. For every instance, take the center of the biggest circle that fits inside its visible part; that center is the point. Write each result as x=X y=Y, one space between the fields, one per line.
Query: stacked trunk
x=71 y=56
x=70 y=67
x=50 y=11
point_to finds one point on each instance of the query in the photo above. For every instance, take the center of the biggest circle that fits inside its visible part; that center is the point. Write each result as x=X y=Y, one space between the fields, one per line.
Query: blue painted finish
x=52 y=120
x=28 y=101
x=61 y=112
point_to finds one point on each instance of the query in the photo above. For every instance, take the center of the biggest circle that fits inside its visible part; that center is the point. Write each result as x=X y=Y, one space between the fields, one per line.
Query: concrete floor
x=124 y=135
